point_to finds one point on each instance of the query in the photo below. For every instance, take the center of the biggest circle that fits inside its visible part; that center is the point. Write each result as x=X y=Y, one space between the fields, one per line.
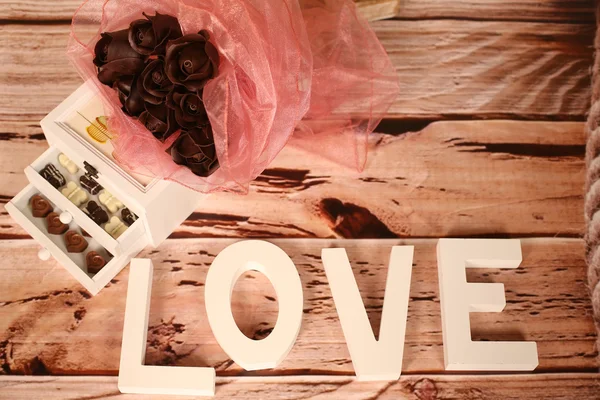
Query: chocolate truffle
x=53 y=176
x=128 y=217
x=96 y=213
x=55 y=227
x=94 y=262
x=40 y=207
x=90 y=184
x=75 y=242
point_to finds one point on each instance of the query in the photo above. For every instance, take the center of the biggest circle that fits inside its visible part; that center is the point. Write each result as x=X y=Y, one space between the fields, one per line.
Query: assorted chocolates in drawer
x=72 y=237
x=97 y=203
x=91 y=214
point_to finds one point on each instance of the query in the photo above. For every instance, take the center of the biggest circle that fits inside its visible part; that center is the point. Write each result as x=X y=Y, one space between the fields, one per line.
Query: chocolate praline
x=40 y=207
x=54 y=225
x=90 y=184
x=75 y=242
x=53 y=176
x=96 y=213
x=128 y=217
x=95 y=262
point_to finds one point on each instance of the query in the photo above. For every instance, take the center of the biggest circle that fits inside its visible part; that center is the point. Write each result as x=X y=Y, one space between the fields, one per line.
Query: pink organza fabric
x=310 y=73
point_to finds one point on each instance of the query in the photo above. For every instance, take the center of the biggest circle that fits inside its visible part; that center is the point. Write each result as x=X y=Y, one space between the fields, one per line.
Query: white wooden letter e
x=459 y=297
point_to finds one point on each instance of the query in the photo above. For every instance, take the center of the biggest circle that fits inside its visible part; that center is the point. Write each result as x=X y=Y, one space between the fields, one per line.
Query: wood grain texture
x=63 y=10
x=524 y=10
x=416 y=387
x=493 y=178
x=474 y=69
x=51 y=325
x=467 y=59
x=489 y=69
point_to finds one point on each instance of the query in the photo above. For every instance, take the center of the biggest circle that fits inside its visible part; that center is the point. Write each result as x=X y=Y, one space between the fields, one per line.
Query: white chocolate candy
x=67 y=163
x=111 y=202
x=115 y=227
x=75 y=194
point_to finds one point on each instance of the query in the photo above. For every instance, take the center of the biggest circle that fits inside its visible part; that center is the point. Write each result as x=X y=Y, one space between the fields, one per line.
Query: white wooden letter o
x=277 y=266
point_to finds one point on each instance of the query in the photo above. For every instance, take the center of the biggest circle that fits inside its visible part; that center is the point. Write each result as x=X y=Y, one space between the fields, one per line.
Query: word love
x=372 y=359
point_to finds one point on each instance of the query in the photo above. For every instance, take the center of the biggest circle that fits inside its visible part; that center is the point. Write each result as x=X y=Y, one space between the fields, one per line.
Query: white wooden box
x=161 y=206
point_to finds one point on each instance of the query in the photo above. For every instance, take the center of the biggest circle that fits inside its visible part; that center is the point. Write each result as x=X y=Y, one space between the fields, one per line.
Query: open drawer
x=118 y=246
x=19 y=208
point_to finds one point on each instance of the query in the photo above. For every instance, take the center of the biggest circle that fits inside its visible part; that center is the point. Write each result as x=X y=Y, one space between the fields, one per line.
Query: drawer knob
x=66 y=217
x=44 y=254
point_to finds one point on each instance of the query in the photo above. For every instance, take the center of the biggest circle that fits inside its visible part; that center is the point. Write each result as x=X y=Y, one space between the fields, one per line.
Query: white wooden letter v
x=372 y=359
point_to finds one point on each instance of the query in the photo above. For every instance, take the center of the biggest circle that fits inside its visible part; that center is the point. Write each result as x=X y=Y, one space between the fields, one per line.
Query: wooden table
x=486 y=139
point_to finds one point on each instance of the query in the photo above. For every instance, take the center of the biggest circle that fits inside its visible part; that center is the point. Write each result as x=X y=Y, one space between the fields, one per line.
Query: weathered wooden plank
x=446 y=68
x=413 y=387
x=495 y=69
x=50 y=325
x=374 y=10
x=481 y=178
x=524 y=10
x=63 y=10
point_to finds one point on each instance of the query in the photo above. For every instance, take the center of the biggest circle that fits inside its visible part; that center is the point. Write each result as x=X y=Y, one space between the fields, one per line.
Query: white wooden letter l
x=134 y=376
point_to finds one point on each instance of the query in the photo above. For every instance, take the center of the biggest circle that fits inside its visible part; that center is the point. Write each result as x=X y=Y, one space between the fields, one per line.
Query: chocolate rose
x=160 y=120
x=153 y=84
x=133 y=104
x=188 y=106
x=115 y=57
x=150 y=35
x=191 y=60
x=196 y=150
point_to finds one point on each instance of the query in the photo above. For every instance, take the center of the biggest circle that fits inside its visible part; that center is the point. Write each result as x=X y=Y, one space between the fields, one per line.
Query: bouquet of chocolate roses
x=159 y=75
x=207 y=92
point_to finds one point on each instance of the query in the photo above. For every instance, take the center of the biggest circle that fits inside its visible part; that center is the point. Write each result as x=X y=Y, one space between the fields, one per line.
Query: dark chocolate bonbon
x=128 y=217
x=53 y=176
x=96 y=213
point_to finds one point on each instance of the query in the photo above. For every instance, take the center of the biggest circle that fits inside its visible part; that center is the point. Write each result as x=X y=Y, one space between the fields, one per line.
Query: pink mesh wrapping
x=308 y=72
